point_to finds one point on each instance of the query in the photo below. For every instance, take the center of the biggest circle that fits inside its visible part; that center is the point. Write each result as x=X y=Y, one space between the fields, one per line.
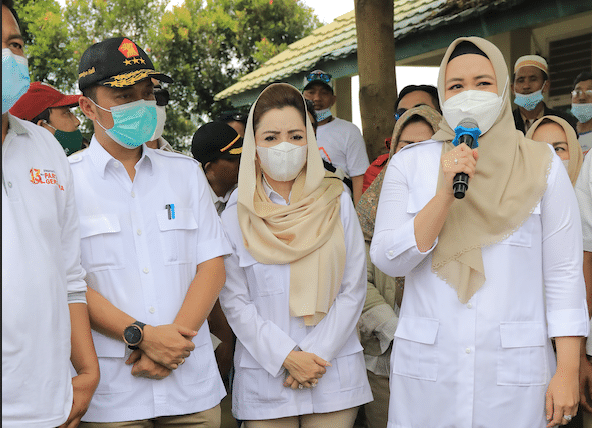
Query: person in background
x=218 y=147
x=561 y=136
x=235 y=119
x=581 y=107
x=45 y=322
x=152 y=246
x=488 y=280
x=327 y=165
x=296 y=278
x=162 y=100
x=583 y=190
x=45 y=106
x=530 y=84
x=383 y=297
x=339 y=141
x=409 y=97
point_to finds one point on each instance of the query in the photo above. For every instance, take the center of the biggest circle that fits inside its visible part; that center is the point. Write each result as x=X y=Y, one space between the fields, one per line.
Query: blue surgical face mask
x=133 y=123
x=582 y=112
x=323 y=114
x=529 y=101
x=15 y=78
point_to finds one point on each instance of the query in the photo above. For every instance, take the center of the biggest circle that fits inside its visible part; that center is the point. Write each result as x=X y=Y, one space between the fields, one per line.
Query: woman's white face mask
x=284 y=161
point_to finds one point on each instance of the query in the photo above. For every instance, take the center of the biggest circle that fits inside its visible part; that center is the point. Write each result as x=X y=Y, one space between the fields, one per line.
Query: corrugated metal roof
x=338 y=39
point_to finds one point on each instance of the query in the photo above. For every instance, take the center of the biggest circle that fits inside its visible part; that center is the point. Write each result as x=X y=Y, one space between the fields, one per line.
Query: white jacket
x=255 y=301
x=486 y=363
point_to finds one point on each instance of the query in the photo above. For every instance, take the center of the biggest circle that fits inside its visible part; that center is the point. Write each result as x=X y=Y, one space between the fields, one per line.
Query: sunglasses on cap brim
x=323 y=77
x=162 y=97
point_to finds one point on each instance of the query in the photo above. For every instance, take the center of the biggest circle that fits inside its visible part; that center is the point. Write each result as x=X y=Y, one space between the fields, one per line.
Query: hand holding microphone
x=459 y=164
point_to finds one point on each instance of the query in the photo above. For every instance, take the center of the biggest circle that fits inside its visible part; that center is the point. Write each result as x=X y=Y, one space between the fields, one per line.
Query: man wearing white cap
x=531 y=82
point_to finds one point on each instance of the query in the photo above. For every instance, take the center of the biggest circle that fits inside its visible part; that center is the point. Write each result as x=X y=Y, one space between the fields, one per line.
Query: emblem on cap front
x=128 y=48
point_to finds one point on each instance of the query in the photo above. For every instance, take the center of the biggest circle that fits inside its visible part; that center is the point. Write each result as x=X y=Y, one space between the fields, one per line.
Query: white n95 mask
x=482 y=106
x=284 y=161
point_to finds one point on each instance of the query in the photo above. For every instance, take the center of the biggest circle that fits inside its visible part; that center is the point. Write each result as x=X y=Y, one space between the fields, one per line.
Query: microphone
x=466 y=132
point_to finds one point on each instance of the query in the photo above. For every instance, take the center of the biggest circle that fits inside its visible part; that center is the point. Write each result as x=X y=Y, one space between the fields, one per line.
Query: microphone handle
x=461 y=180
x=460 y=185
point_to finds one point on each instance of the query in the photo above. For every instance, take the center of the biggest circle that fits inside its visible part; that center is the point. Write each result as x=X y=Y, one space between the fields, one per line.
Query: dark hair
x=278 y=95
x=10 y=5
x=91 y=92
x=44 y=115
x=413 y=119
x=584 y=75
x=432 y=91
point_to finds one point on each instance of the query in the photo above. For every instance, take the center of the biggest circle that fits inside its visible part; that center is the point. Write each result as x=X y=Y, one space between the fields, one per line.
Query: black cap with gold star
x=116 y=63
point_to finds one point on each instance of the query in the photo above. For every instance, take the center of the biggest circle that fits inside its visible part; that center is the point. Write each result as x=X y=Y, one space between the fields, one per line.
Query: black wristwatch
x=133 y=334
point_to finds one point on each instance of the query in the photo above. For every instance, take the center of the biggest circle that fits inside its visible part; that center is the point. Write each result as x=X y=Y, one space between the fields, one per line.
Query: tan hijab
x=368 y=204
x=510 y=180
x=576 y=156
x=307 y=233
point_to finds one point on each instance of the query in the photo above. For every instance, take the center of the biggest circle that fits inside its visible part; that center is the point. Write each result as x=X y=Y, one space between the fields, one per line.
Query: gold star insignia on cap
x=127 y=62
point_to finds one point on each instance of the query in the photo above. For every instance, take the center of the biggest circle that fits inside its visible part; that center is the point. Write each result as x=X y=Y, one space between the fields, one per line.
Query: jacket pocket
x=199 y=366
x=256 y=384
x=178 y=236
x=266 y=284
x=522 y=356
x=350 y=367
x=101 y=242
x=523 y=236
x=115 y=375
x=415 y=349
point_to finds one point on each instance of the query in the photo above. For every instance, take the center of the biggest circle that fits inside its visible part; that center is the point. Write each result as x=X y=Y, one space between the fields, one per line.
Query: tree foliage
x=205 y=46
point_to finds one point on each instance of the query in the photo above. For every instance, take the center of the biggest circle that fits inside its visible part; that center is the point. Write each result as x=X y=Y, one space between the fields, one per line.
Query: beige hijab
x=510 y=180
x=307 y=233
x=576 y=156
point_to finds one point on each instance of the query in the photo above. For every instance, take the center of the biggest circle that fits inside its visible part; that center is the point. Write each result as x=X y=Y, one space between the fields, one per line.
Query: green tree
x=49 y=48
x=206 y=46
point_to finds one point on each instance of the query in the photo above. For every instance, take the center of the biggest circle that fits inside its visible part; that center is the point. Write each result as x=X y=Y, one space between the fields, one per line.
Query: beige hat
x=533 y=61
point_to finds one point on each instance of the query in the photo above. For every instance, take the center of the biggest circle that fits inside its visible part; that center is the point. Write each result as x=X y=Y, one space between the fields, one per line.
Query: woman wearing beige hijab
x=561 y=136
x=489 y=279
x=297 y=279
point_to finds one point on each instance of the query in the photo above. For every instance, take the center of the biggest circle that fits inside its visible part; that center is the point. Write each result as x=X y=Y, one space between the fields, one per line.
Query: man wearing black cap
x=218 y=147
x=340 y=142
x=152 y=245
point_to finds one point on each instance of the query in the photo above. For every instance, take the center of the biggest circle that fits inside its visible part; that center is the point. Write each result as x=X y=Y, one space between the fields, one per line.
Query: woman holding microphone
x=490 y=278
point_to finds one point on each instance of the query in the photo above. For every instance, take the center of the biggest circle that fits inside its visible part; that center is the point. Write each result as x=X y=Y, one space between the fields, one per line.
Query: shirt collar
x=16 y=126
x=102 y=159
x=273 y=196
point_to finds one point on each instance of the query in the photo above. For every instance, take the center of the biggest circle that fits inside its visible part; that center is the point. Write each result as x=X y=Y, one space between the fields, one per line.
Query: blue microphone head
x=467 y=126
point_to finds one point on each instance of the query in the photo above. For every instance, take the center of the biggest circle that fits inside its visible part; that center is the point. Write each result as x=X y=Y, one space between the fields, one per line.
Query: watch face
x=132 y=334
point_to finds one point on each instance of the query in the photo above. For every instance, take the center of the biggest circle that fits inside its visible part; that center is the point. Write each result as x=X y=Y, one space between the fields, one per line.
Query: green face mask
x=70 y=141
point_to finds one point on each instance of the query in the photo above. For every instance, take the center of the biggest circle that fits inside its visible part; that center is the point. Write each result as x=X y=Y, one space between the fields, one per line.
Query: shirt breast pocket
x=101 y=242
x=178 y=236
x=523 y=236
